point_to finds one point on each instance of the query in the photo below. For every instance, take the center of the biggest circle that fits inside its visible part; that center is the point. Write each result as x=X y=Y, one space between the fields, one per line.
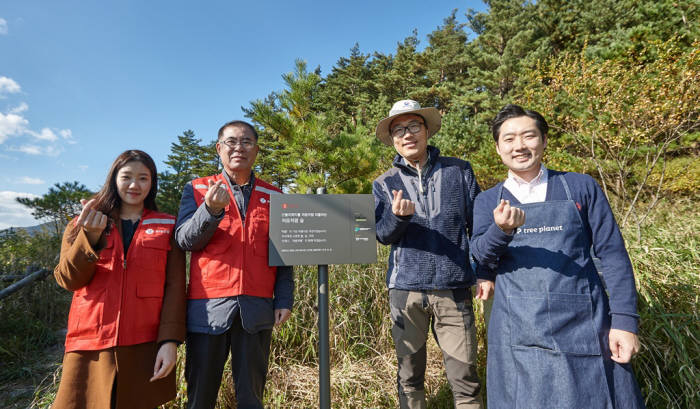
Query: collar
x=540 y=178
x=251 y=181
x=433 y=154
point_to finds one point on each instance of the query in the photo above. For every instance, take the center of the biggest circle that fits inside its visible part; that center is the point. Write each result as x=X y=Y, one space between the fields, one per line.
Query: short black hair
x=514 y=111
x=238 y=123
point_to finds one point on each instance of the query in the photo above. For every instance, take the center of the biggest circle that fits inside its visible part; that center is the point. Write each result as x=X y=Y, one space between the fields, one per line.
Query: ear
x=498 y=151
x=544 y=141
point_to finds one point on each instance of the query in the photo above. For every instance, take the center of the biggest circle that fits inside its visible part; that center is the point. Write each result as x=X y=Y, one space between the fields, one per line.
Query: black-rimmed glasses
x=400 y=131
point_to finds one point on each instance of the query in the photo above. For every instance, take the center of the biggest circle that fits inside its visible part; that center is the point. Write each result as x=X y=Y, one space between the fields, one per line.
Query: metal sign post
x=324 y=367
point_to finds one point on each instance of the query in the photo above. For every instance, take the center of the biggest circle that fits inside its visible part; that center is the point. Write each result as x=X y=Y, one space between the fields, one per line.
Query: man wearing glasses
x=234 y=297
x=423 y=209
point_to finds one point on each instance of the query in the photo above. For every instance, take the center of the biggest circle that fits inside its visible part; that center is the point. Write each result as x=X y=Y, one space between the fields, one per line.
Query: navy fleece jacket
x=429 y=249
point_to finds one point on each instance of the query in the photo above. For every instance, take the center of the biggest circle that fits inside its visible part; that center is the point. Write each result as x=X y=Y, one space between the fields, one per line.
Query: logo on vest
x=149 y=231
x=541 y=229
x=262 y=200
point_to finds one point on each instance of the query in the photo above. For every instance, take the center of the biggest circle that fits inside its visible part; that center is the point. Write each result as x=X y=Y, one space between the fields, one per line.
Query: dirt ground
x=20 y=393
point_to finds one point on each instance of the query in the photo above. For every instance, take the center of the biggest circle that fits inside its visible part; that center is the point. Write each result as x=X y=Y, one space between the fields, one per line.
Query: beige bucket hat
x=432 y=117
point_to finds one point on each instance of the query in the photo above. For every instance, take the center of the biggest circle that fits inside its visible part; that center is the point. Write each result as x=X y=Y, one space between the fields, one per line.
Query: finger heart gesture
x=400 y=206
x=508 y=217
x=92 y=221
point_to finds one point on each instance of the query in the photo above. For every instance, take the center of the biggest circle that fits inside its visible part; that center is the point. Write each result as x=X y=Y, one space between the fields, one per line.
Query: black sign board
x=322 y=229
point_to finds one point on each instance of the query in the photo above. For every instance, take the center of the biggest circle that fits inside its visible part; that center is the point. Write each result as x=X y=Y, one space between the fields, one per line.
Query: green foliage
x=29 y=318
x=188 y=159
x=297 y=151
x=613 y=27
x=681 y=177
x=666 y=269
x=59 y=205
x=623 y=114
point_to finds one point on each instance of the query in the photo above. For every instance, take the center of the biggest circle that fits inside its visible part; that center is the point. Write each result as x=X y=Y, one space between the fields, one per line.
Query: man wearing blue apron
x=555 y=338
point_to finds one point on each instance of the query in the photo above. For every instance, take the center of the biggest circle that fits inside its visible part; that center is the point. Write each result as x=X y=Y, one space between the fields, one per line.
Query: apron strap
x=499 y=195
x=566 y=187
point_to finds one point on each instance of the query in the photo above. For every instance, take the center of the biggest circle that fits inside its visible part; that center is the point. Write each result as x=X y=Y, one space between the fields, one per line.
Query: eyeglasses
x=243 y=143
x=400 y=131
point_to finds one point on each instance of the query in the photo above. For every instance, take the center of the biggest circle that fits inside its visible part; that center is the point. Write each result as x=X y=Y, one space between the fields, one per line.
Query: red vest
x=121 y=304
x=234 y=262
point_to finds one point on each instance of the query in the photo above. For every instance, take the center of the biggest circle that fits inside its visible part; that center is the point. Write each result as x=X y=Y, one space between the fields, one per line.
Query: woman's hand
x=165 y=360
x=92 y=221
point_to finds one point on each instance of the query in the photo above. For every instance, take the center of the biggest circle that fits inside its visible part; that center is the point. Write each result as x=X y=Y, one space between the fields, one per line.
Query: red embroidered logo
x=578 y=205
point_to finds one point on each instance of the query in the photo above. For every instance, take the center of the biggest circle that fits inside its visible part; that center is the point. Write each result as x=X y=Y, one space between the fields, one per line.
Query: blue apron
x=548 y=333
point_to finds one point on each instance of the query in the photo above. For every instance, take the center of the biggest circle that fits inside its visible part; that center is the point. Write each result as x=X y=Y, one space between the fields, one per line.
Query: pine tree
x=445 y=64
x=60 y=204
x=188 y=159
x=298 y=150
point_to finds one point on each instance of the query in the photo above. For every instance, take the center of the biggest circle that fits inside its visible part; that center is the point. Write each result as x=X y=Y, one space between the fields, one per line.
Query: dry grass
x=363 y=365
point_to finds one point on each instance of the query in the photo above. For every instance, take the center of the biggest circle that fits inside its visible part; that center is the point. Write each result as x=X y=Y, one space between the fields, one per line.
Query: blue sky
x=82 y=81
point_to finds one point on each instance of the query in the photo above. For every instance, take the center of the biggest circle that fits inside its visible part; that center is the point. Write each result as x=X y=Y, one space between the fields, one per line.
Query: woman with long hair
x=128 y=281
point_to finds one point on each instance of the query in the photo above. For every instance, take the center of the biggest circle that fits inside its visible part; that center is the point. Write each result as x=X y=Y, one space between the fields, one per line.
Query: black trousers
x=206 y=357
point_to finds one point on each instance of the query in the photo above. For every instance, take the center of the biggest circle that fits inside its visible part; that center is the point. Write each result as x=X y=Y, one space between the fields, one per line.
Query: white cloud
x=9 y=86
x=12 y=125
x=67 y=136
x=20 y=108
x=28 y=149
x=45 y=142
x=14 y=214
x=31 y=181
x=3 y=26
x=45 y=150
x=46 y=134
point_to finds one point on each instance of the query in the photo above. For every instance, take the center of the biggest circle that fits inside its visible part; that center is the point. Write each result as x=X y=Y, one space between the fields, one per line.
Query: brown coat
x=89 y=376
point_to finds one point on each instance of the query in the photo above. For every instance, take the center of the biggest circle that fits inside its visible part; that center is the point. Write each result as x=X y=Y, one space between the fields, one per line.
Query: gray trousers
x=451 y=316
x=205 y=360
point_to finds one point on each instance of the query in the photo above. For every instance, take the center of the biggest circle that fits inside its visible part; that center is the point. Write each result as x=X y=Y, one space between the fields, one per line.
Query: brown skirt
x=89 y=378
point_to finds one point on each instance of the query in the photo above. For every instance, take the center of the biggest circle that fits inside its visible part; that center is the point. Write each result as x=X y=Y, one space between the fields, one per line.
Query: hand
x=217 y=197
x=282 y=315
x=401 y=207
x=623 y=345
x=484 y=289
x=507 y=217
x=92 y=221
x=165 y=361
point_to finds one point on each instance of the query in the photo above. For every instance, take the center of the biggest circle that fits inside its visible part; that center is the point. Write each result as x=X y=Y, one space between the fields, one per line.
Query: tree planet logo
x=149 y=231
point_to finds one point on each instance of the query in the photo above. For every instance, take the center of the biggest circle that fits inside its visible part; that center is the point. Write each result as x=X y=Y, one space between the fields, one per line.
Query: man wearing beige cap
x=423 y=209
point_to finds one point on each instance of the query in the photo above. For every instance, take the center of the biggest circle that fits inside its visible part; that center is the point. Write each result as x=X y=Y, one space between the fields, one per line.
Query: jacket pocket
x=149 y=297
x=86 y=313
x=222 y=238
x=260 y=236
x=555 y=321
x=155 y=252
x=529 y=321
x=571 y=317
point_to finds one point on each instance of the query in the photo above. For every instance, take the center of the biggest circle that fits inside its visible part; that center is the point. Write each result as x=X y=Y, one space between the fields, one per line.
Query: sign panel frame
x=322 y=229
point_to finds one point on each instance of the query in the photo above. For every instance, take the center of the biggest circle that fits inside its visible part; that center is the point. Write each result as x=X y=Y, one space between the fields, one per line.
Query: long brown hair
x=108 y=200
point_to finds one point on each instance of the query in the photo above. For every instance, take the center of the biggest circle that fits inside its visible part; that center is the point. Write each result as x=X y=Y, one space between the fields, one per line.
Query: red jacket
x=234 y=262
x=121 y=304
